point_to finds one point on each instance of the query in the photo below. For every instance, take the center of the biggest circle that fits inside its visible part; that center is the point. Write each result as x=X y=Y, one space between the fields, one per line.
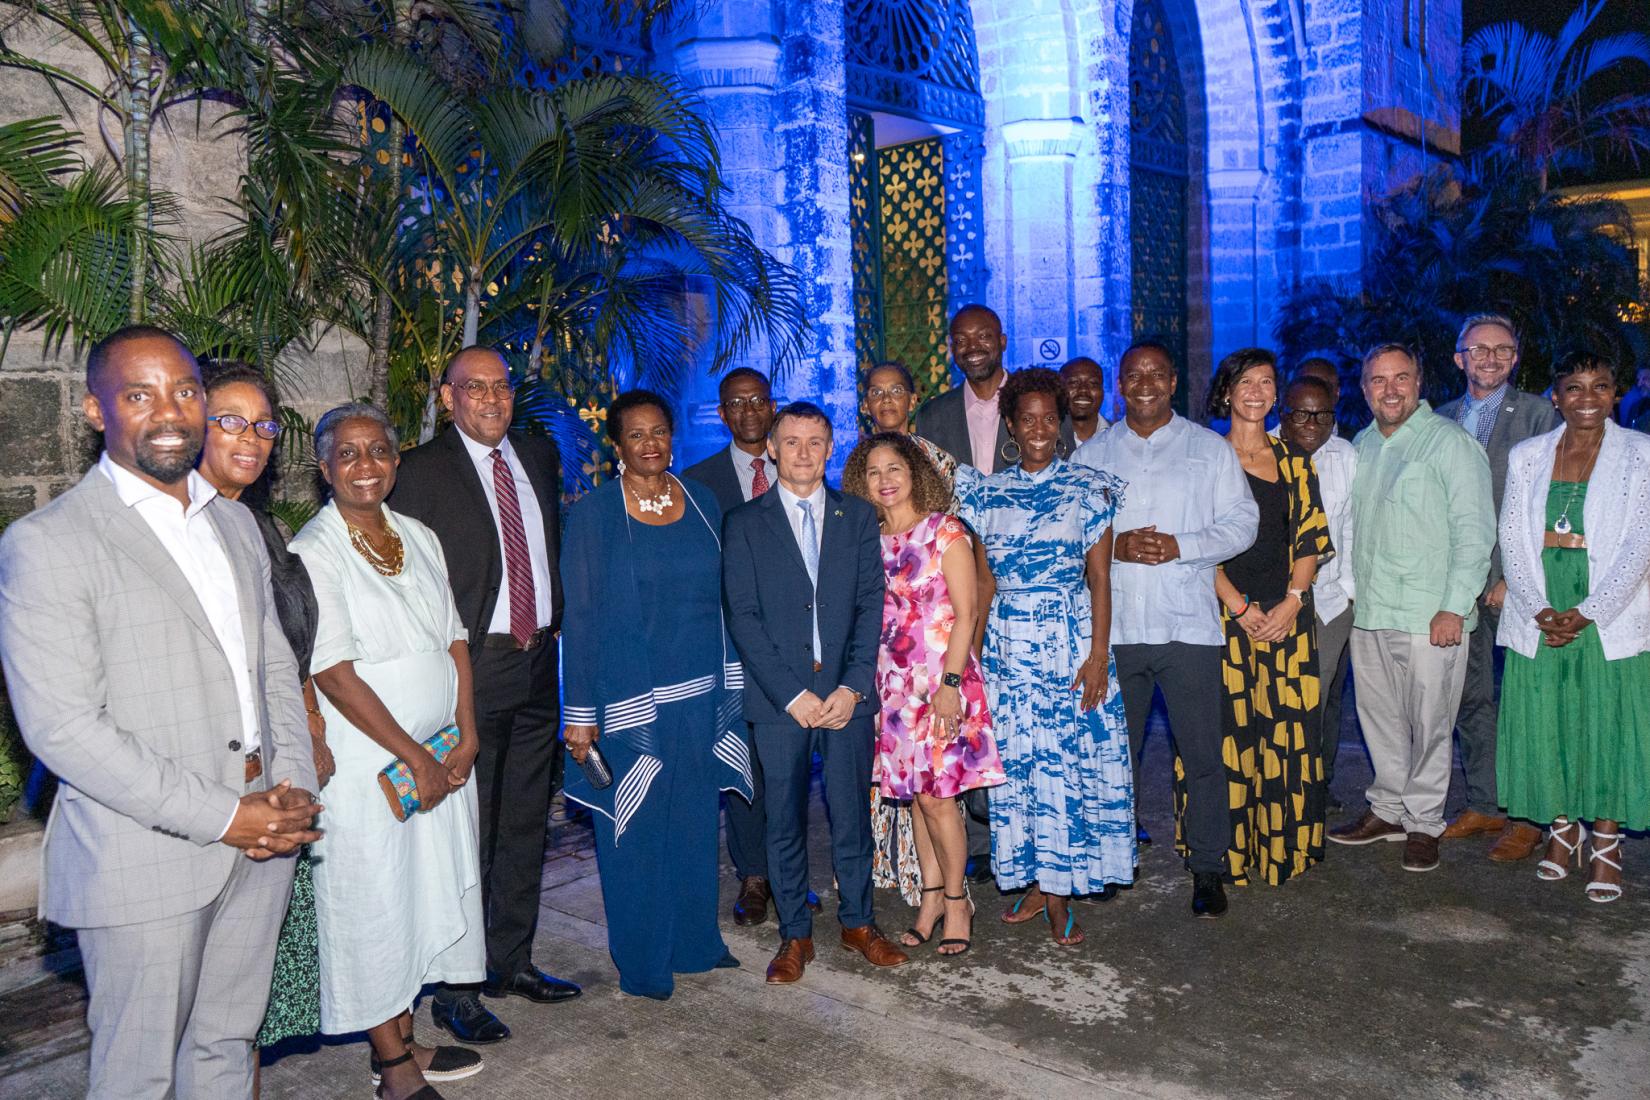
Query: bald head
x=475 y=389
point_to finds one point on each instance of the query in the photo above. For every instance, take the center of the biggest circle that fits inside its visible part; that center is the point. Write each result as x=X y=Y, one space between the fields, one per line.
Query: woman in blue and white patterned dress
x=1063 y=824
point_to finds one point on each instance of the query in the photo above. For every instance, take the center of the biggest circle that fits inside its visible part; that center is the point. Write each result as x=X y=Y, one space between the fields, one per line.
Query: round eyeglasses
x=1301 y=417
x=478 y=389
x=235 y=425
x=877 y=393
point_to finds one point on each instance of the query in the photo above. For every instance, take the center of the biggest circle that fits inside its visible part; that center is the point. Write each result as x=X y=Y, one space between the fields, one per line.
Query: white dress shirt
x=745 y=471
x=1185 y=480
x=1337 y=463
x=816 y=502
x=532 y=524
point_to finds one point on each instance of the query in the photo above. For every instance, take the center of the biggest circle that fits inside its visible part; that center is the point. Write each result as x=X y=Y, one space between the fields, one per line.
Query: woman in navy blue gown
x=650 y=679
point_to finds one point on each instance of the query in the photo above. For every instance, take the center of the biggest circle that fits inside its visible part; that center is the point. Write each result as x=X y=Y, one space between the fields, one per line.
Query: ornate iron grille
x=1157 y=186
x=915 y=57
x=911 y=184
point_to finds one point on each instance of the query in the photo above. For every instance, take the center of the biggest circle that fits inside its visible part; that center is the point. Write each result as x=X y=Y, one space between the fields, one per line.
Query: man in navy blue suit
x=807 y=626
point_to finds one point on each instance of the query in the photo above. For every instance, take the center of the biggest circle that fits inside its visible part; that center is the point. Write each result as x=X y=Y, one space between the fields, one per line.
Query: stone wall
x=45 y=444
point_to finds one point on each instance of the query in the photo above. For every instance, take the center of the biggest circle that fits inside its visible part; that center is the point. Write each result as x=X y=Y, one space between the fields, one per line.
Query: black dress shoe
x=467 y=1019
x=727 y=962
x=814 y=905
x=532 y=983
x=1105 y=893
x=1208 y=895
x=981 y=873
x=1141 y=836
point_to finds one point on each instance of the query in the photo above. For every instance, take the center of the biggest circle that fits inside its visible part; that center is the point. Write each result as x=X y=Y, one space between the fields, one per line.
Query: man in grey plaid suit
x=148 y=671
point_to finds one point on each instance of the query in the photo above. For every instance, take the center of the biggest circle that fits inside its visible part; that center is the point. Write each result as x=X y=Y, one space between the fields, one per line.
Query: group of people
x=968 y=636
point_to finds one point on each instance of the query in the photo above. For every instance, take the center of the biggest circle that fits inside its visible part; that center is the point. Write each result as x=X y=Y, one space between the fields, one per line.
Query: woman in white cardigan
x=1575 y=698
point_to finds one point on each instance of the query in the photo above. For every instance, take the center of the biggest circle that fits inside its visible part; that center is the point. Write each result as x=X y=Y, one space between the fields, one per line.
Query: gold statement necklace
x=386 y=565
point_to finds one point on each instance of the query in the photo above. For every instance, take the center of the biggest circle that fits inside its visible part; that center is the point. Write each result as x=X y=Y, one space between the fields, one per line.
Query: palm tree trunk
x=138 y=59
x=472 y=307
x=383 y=309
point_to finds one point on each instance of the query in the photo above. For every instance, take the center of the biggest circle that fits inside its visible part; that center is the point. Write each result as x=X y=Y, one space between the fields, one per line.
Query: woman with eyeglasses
x=240 y=438
x=890 y=399
x=1270 y=670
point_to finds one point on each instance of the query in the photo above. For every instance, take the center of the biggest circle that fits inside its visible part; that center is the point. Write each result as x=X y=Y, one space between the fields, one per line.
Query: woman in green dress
x=240 y=437
x=1574 y=744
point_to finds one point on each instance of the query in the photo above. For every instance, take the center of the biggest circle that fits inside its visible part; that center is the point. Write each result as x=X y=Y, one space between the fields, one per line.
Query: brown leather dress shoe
x=793 y=958
x=877 y=949
x=1516 y=842
x=752 y=904
x=1420 y=852
x=1366 y=830
x=1473 y=823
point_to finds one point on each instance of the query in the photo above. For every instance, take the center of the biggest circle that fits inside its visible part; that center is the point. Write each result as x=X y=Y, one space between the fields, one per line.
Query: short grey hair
x=326 y=428
x=1475 y=319
x=1389 y=348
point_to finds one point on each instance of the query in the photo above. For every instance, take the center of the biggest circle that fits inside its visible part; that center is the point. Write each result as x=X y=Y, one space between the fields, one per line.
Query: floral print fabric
x=917 y=620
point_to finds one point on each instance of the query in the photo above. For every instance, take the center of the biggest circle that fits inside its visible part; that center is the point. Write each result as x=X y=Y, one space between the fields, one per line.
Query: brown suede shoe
x=877 y=949
x=752 y=905
x=1473 y=823
x=1420 y=852
x=1516 y=842
x=1366 y=830
x=793 y=958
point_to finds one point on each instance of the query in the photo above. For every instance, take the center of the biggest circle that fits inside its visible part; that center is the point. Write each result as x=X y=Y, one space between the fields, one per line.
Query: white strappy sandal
x=1549 y=871
x=1605 y=892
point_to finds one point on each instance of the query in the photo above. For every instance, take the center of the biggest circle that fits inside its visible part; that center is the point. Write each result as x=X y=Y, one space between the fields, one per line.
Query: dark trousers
x=518 y=718
x=786 y=751
x=1475 y=720
x=1334 y=658
x=1190 y=679
x=748 y=827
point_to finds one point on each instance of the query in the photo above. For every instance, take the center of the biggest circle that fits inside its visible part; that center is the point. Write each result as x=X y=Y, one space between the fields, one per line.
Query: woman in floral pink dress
x=935 y=740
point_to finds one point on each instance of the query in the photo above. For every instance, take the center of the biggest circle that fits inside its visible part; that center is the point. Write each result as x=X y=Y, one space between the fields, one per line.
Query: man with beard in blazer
x=493 y=498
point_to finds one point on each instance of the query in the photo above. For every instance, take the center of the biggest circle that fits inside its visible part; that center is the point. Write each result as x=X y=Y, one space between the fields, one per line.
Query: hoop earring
x=1011 y=459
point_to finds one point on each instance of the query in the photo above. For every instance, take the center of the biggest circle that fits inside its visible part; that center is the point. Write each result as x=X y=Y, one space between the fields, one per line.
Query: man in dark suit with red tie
x=493 y=498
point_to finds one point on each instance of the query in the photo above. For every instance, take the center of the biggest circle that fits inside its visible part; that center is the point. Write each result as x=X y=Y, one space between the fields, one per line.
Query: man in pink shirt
x=964 y=419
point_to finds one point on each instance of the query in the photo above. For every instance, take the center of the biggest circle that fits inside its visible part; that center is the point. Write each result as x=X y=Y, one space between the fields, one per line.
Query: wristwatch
x=952 y=679
x=1299 y=594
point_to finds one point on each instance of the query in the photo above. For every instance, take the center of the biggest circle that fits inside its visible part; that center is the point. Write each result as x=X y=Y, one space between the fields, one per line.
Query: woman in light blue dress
x=1063 y=824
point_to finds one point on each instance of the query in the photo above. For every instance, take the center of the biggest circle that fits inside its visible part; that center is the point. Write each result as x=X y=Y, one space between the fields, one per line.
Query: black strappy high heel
x=912 y=931
x=967 y=943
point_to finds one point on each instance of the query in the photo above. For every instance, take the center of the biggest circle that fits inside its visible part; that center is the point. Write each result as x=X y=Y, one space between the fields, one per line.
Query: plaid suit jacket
x=121 y=689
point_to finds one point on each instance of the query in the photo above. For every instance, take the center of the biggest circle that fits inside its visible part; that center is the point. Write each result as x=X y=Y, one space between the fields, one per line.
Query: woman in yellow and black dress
x=1270 y=670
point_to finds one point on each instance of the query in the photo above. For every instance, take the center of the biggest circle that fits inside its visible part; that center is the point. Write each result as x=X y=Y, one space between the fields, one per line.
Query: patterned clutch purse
x=396 y=781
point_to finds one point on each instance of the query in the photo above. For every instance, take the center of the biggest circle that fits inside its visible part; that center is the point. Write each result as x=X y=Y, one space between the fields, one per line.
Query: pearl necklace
x=654 y=506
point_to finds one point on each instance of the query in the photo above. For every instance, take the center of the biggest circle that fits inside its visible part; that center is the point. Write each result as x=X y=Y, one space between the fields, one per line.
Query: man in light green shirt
x=1424 y=512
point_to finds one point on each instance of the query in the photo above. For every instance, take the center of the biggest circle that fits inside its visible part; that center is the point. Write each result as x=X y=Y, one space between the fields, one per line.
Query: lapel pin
x=838 y=513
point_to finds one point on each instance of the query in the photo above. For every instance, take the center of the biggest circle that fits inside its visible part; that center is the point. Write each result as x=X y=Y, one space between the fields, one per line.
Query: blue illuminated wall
x=1298 y=114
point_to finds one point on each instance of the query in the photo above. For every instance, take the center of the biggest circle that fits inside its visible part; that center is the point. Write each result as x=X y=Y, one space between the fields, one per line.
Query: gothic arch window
x=915 y=151
x=1158 y=167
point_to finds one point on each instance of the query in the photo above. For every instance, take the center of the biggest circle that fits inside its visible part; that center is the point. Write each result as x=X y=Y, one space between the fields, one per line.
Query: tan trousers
x=1408 y=693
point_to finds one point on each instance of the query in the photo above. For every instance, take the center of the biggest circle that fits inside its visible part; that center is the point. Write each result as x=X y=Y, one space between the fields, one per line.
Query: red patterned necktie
x=759 y=478
x=518 y=563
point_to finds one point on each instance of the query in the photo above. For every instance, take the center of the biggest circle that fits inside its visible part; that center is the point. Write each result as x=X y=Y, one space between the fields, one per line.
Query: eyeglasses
x=1504 y=353
x=877 y=393
x=1301 y=417
x=477 y=390
x=235 y=425
x=740 y=404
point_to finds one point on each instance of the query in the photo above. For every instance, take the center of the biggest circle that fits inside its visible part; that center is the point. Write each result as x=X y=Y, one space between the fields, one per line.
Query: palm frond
x=33 y=152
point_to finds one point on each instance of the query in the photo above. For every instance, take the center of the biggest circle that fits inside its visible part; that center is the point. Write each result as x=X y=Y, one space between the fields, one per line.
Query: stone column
x=731 y=57
x=1037 y=290
x=811 y=130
